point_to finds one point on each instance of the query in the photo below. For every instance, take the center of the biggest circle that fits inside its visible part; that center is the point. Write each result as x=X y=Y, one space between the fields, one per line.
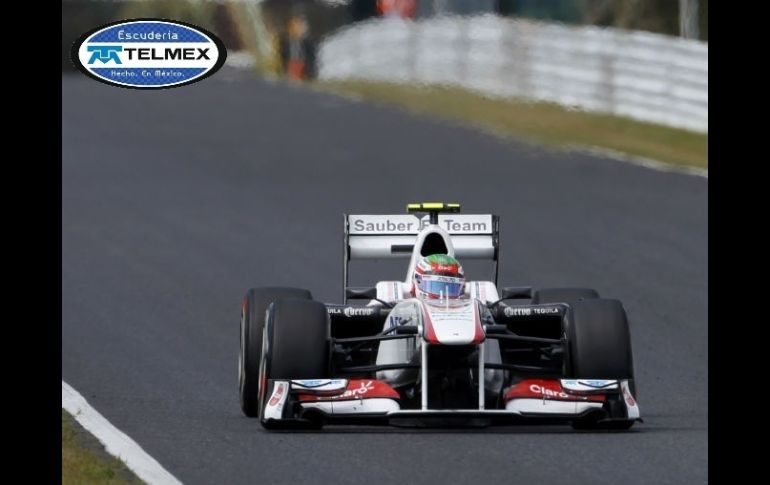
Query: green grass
x=537 y=122
x=85 y=461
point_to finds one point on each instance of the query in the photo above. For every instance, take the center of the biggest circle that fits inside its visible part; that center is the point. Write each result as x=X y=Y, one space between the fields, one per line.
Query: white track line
x=115 y=441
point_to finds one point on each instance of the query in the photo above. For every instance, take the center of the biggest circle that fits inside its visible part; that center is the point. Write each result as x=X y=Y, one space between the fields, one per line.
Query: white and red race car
x=497 y=356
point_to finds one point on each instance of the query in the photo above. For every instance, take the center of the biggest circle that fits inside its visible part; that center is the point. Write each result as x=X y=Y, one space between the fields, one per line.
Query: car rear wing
x=382 y=236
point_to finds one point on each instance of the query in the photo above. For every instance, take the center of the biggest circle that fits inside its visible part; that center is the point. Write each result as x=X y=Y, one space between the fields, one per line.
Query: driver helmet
x=438 y=276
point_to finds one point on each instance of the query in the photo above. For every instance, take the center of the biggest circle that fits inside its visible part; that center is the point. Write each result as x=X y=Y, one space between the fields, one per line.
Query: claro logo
x=547 y=392
x=148 y=54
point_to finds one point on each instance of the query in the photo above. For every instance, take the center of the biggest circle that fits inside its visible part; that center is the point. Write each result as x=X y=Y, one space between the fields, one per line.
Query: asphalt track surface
x=175 y=202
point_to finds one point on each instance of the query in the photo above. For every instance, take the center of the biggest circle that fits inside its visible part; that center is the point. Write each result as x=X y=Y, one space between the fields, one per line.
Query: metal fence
x=641 y=75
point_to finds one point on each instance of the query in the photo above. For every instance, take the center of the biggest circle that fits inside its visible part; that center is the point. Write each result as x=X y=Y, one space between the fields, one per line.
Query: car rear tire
x=599 y=347
x=563 y=295
x=253 y=311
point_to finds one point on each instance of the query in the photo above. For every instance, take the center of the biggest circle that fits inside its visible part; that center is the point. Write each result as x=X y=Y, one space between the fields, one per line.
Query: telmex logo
x=148 y=53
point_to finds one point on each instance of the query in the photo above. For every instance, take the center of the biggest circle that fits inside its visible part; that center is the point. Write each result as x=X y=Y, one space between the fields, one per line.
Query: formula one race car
x=435 y=349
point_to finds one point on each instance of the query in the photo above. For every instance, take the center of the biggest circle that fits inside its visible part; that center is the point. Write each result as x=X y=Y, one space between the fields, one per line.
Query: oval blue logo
x=148 y=53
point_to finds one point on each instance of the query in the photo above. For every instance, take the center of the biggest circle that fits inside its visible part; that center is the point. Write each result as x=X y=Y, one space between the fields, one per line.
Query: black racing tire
x=599 y=347
x=563 y=295
x=253 y=311
x=296 y=344
x=599 y=341
x=298 y=340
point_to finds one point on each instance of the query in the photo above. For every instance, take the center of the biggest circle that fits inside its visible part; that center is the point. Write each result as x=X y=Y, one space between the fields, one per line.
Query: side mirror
x=363 y=293
x=495 y=329
x=406 y=330
x=516 y=292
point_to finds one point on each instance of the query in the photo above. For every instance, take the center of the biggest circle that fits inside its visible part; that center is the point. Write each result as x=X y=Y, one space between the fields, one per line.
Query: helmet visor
x=448 y=287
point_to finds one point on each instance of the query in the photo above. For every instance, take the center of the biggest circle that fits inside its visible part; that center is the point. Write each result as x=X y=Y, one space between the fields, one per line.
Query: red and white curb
x=117 y=443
